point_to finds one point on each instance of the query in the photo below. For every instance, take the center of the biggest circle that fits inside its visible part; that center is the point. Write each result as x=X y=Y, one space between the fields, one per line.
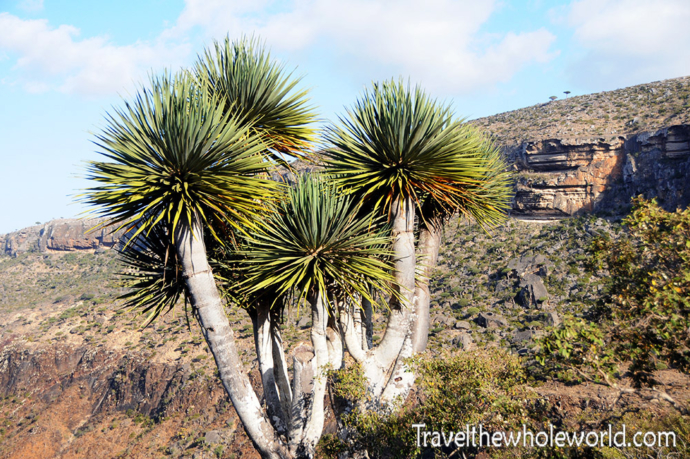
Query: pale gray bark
x=263 y=343
x=401 y=379
x=335 y=343
x=281 y=372
x=309 y=383
x=207 y=305
x=357 y=321
x=319 y=338
x=347 y=328
x=404 y=264
x=302 y=386
x=428 y=247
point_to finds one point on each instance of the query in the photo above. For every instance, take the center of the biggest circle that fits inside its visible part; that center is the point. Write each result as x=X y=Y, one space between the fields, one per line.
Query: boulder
x=532 y=291
x=463 y=341
x=213 y=437
x=550 y=318
x=490 y=320
x=526 y=335
x=462 y=325
x=537 y=264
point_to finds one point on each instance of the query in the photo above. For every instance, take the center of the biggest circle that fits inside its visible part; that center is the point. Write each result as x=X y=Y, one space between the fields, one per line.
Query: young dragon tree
x=405 y=155
x=183 y=168
x=315 y=246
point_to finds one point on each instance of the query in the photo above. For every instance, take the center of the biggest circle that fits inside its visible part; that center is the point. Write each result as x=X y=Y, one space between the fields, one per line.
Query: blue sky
x=64 y=64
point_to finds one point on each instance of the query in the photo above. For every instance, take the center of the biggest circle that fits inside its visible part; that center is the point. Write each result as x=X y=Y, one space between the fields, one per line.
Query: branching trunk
x=302 y=386
x=398 y=327
x=335 y=343
x=281 y=372
x=309 y=388
x=428 y=247
x=215 y=326
x=263 y=343
x=319 y=339
x=401 y=379
x=347 y=329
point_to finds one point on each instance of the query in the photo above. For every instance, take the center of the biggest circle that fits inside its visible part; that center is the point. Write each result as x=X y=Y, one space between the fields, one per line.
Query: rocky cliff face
x=60 y=235
x=565 y=177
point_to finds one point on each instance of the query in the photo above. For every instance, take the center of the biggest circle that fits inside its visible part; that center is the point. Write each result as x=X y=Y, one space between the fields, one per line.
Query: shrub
x=455 y=389
x=644 y=315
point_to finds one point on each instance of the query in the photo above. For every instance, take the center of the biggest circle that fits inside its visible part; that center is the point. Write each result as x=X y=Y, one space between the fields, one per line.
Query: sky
x=65 y=64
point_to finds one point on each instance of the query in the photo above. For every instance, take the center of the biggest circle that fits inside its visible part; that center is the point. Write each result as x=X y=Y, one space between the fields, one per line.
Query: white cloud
x=56 y=59
x=437 y=42
x=31 y=6
x=630 y=41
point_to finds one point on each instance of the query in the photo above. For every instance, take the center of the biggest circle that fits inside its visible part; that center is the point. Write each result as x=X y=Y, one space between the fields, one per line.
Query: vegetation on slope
x=644 y=107
x=472 y=278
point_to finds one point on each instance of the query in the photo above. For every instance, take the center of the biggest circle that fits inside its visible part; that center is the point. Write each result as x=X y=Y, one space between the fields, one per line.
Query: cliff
x=60 y=235
x=565 y=177
x=588 y=153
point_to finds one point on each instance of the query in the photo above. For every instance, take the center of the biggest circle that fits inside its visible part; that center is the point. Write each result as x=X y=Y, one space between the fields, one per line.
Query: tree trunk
x=347 y=329
x=404 y=265
x=428 y=247
x=402 y=380
x=208 y=307
x=319 y=339
x=263 y=343
x=335 y=343
x=281 y=372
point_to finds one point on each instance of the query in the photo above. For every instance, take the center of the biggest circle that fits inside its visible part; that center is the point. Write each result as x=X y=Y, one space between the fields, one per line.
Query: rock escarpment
x=60 y=235
x=565 y=177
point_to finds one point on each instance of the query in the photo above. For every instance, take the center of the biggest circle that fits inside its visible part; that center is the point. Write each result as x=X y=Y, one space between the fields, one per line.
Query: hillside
x=80 y=378
x=626 y=111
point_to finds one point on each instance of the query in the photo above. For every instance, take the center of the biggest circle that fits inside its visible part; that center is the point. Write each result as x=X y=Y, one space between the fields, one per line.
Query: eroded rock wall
x=60 y=235
x=564 y=177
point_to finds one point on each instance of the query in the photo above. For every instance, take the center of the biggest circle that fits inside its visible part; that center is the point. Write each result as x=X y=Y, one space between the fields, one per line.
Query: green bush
x=644 y=315
x=472 y=311
x=480 y=387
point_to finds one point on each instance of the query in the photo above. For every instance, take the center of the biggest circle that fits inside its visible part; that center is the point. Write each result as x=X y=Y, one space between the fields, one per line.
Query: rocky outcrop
x=491 y=320
x=528 y=271
x=60 y=235
x=532 y=291
x=565 y=177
